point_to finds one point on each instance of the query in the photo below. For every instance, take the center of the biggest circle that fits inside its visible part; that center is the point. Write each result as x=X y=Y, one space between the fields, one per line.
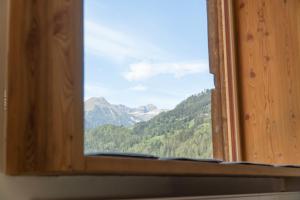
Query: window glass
x=147 y=81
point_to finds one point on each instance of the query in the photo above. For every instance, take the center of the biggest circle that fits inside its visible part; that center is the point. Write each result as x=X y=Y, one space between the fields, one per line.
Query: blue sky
x=139 y=52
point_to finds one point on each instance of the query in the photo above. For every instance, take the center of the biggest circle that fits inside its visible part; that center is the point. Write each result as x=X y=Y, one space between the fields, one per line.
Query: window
x=147 y=80
x=45 y=88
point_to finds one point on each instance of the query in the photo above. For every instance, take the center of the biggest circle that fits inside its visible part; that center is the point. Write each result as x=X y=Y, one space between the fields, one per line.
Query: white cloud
x=143 y=70
x=139 y=88
x=101 y=40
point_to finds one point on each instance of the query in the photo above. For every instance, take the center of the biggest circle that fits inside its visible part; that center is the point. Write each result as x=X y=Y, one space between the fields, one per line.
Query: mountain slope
x=98 y=111
x=184 y=131
x=195 y=108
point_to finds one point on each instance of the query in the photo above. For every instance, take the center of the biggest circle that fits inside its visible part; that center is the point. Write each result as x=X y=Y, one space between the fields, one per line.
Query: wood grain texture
x=216 y=60
x=231 y=81
x=130 y=166
x=4 y=13
x=45 y=102
x=222 y=56
x=269 y=71
x=66 y=90
x=45 y=107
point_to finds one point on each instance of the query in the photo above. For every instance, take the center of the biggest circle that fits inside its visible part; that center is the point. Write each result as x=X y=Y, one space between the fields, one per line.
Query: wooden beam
x=222 y=57
x=45 y=87
x=230 y=78
x=214 y=15
x=4 y=22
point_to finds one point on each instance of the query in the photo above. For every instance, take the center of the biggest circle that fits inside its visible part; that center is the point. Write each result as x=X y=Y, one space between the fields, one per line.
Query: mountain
x=184 y=131
x=145 y=113
x=98 y=111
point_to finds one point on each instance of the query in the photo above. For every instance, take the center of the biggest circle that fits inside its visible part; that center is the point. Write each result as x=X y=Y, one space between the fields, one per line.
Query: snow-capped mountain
x=98 y=111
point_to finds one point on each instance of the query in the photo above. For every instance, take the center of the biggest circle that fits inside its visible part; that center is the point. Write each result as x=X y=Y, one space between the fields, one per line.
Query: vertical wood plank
x=231 y=81
x=214 y=14
x=225 y=114
x=26 y=86
x=269 y=59
x=4 y=8
x=66 y=90
x=45 y=86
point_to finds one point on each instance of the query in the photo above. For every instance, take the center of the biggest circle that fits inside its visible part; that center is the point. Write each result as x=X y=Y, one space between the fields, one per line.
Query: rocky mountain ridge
x=98 y=111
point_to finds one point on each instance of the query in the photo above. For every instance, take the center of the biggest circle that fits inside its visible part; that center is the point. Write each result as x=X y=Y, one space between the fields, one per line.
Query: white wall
x=267 y=196
x=19 y=188
x=78 y=187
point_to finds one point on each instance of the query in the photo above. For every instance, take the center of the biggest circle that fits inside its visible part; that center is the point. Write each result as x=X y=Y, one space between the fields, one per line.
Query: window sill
x=134 y=166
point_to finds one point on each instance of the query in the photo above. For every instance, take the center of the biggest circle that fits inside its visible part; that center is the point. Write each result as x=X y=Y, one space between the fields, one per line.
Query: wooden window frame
x=224 y=98
x=222 y=56
x=44 y=85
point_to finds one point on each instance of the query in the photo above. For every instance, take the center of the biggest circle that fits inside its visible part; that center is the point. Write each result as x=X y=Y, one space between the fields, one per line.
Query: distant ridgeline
x=184 y=131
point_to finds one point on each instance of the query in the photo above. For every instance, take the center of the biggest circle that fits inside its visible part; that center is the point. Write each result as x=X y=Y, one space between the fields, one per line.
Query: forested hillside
x=184 y=131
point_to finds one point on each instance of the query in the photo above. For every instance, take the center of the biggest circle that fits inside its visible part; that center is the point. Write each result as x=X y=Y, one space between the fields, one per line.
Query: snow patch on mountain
x=98 y=111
